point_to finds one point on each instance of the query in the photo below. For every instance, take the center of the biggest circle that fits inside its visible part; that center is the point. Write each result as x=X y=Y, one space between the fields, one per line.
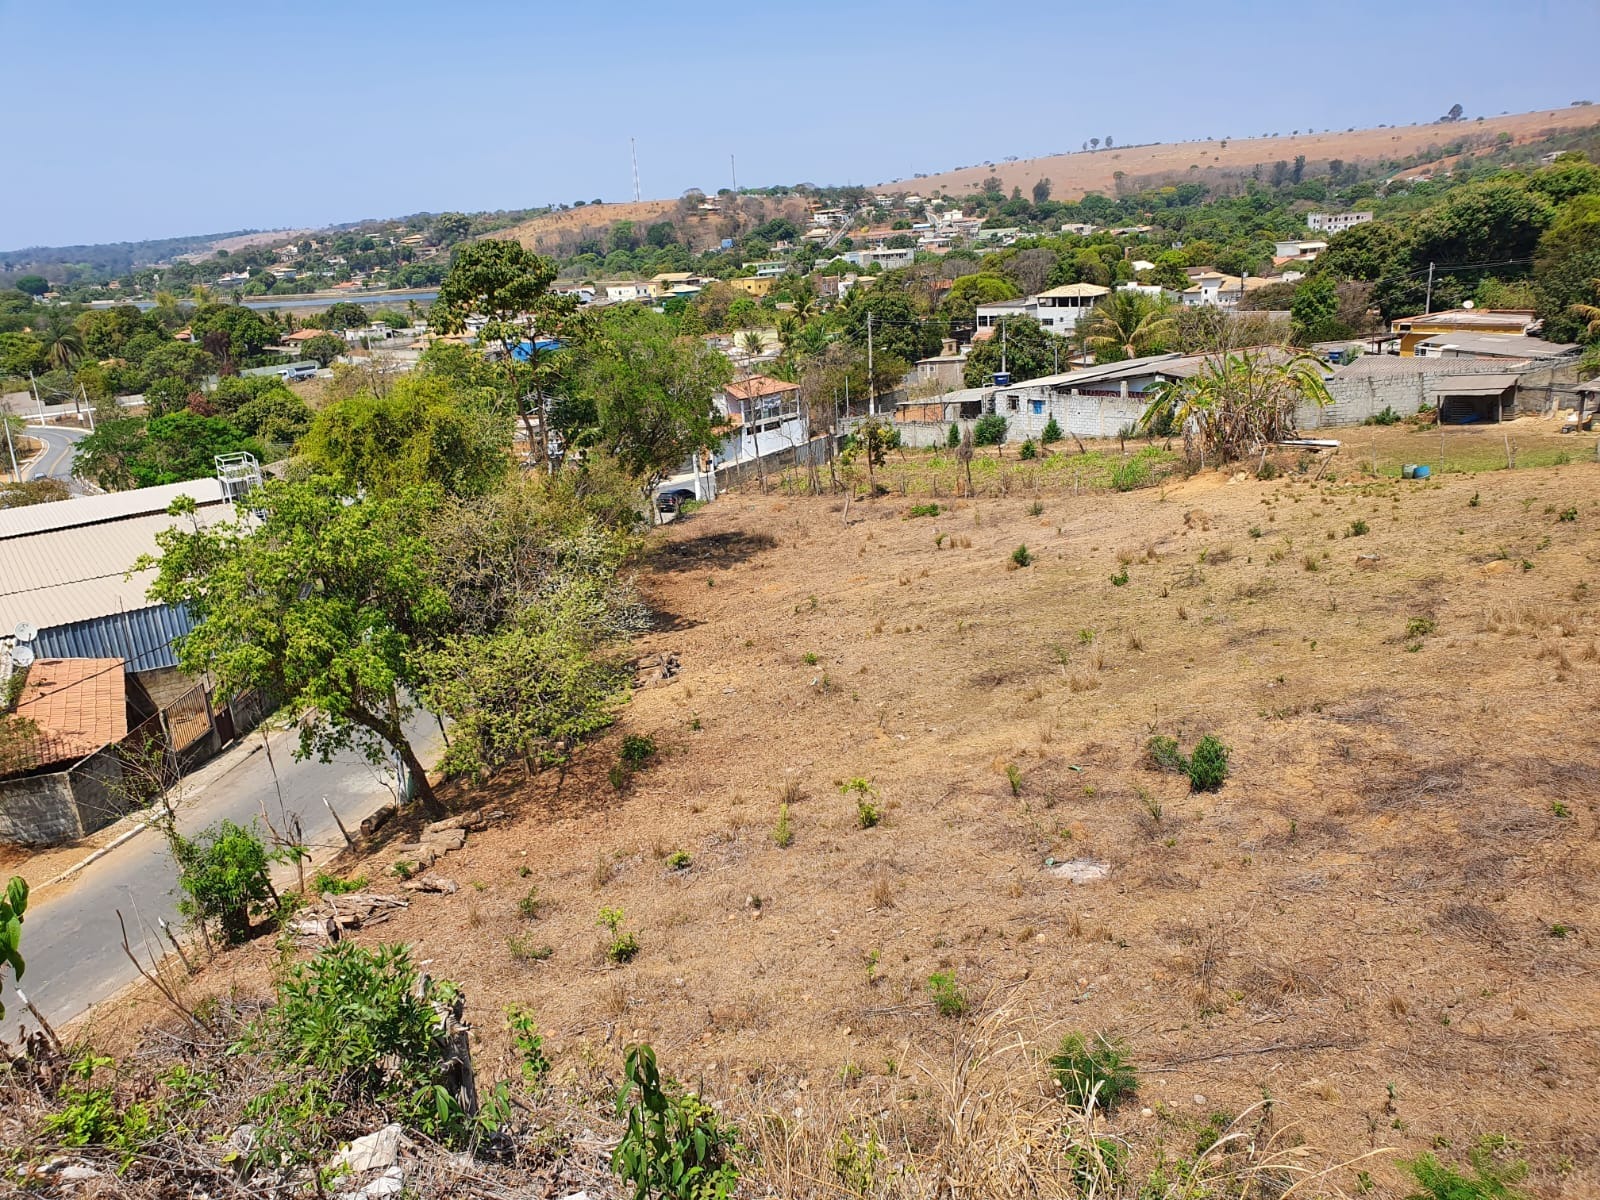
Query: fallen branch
x=160 y=986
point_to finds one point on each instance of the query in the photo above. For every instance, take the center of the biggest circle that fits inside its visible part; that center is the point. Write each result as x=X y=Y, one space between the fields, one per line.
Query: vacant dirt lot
x=1384 y=920
x=1072 y=175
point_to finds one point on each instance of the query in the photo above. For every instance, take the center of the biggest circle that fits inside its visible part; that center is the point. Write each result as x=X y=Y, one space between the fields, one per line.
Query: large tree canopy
x=419 y=432
x=319 y=602
x=1027 y=351
x=1567 y=269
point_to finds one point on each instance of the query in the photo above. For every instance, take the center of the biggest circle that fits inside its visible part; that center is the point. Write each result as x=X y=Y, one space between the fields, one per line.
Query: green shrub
x=783 y=831
x=1120 y=579
x=856 y=1161
x=1418 y=627
x=674 y=1147
x=1387 y=417
x=223 y=877
x=13 y=904
x=638 y=750
x=949 y=997
x=1131 y=473
x=678 y=860
x=1036 y=509
x=528 y=907
x=1358 y=528
x=1094 y=1070
x=1568 y=514
x=1208 y=765
x=351 y=1028
x=953 y=440
x=867 y=814
x=624 y=946
x=1162 y=753
x=529 y=1045
x=1052 y=432
x=1014 y=778
x=989 y=430
x=323 y=884
x=526 y=950
x=1021 y=557
x=925 y=510
x=1029 y=450
x=1495 y=1174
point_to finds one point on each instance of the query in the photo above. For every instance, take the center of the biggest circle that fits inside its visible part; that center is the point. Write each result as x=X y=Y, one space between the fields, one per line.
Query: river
x=325 y=299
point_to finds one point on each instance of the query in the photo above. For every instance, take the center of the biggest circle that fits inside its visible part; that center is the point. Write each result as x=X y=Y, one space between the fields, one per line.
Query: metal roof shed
x=1469 y=399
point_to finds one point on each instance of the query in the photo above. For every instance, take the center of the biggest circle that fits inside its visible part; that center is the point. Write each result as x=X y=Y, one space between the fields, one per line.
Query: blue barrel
x=1420 y=472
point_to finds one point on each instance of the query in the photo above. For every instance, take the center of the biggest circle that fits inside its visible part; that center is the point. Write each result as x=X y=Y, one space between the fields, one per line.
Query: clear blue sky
x=129 y=121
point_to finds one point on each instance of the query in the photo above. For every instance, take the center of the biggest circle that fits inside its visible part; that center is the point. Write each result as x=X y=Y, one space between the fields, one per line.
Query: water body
x=425 y=296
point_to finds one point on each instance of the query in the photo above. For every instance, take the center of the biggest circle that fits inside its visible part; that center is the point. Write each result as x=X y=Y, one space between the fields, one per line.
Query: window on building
x=1037 y=407
x=1011 y=403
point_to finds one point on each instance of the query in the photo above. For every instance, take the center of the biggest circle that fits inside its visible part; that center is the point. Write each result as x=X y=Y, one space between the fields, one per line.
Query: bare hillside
x=1072 y=175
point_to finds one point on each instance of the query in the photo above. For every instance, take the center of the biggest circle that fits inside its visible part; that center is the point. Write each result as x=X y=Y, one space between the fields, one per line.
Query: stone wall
x=38 y=811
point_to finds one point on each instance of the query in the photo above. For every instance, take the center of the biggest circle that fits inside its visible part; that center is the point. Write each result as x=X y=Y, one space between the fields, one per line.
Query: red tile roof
x=78 y=704
x=757 y=386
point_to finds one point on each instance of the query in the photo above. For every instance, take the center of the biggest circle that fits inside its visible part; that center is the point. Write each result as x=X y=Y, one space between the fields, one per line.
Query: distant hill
x=110 y=259
x=1073 y=175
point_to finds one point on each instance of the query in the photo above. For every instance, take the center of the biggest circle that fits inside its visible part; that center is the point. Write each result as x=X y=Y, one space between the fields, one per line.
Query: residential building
x=1081 y=228
x=765 y=416
x=621 y=291
x=939 y=373
x=1490 y=345
x=1331 y=223
x=888 y=260
x=771 y=269
x=1096 y=401
x=1284 y=251
x=676 y=283
x=990 y=316
x=1061 y=308
x=754 y=285
x=1213 y=290
x=1495 y=322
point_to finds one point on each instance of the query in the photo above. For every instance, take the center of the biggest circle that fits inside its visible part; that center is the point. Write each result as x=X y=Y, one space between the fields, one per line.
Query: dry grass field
x=1074 y=174
x=1384 y=920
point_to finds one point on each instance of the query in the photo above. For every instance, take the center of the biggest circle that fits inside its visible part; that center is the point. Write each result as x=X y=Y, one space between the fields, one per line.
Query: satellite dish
x=1466 y=304
x=21 y=656
x=24 y=632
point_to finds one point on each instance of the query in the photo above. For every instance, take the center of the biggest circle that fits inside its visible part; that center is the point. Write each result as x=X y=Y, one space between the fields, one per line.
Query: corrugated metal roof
x=63 y=575
x=1472 y=385
x=143 y=637
x=112 y=506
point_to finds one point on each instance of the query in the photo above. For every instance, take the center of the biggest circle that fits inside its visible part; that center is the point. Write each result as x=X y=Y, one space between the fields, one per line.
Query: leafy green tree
x=969 y=291
x=32 y=285
x=126 y=452
x=345 y=314
x=316 y=600
x=449 y=228
x=643 y=396
x=898 y=325
x=1492 y=222
x=20 y=353
x=325 y=347
x=106 y=457
x=232 y=333
x=275 y=418
x=223 y=877
x=106 y=331
x=419 y=432
x=510 y=288
x=1314 y=311
x=1565 y=268
x=1128 y=325
x=180 y=360
x=1028 y=352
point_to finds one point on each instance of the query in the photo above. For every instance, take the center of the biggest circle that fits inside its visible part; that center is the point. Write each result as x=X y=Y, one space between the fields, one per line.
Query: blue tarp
x=523 y=351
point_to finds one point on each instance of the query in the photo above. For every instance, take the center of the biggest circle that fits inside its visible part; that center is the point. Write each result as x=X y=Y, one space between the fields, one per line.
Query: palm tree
x=788 y=331
x=1589 y=312
x=65 y=348
x=1237 y=402
x=1131 y=324
x=804 y=305
x=750 y=342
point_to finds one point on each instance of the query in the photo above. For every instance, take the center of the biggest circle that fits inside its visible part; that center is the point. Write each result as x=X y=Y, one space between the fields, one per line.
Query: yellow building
x=754 y=285
x=1515 y=322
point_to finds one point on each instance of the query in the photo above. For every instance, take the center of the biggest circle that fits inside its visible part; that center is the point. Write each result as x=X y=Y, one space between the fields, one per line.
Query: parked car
x=672 y=501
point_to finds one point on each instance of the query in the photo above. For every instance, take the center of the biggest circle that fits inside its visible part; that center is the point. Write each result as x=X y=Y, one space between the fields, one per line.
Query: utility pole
x=733 y=170
x=5 y=419
x=1427 y=304
x=1004 y=370
x=872 y=381
x=633 y=148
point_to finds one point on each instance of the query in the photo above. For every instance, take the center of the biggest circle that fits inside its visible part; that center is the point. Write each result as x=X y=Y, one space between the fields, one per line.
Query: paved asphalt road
x=59 y=442
x=70 y=940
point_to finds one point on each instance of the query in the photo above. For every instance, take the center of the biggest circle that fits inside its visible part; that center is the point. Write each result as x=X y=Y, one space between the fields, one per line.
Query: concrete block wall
x=1086 y=416
x=1355 y=398
x=38 y=811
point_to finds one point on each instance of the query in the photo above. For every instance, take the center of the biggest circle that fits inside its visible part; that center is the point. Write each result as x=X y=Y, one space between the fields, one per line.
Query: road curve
x=60 y=444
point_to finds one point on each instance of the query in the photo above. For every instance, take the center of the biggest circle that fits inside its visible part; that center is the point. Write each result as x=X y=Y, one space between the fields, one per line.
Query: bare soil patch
x=1384 y=919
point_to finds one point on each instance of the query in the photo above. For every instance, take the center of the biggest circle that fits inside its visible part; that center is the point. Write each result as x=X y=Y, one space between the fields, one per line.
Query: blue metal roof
x=143 y=638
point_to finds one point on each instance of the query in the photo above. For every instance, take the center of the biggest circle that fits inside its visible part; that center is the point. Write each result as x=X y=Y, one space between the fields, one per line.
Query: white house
x=888 y=259
x=1061 y=308
x=989 y=316
x=765 y=416
x=1336 y=222
x=1306 y=251
x=623 y=290
x=1213 y=290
